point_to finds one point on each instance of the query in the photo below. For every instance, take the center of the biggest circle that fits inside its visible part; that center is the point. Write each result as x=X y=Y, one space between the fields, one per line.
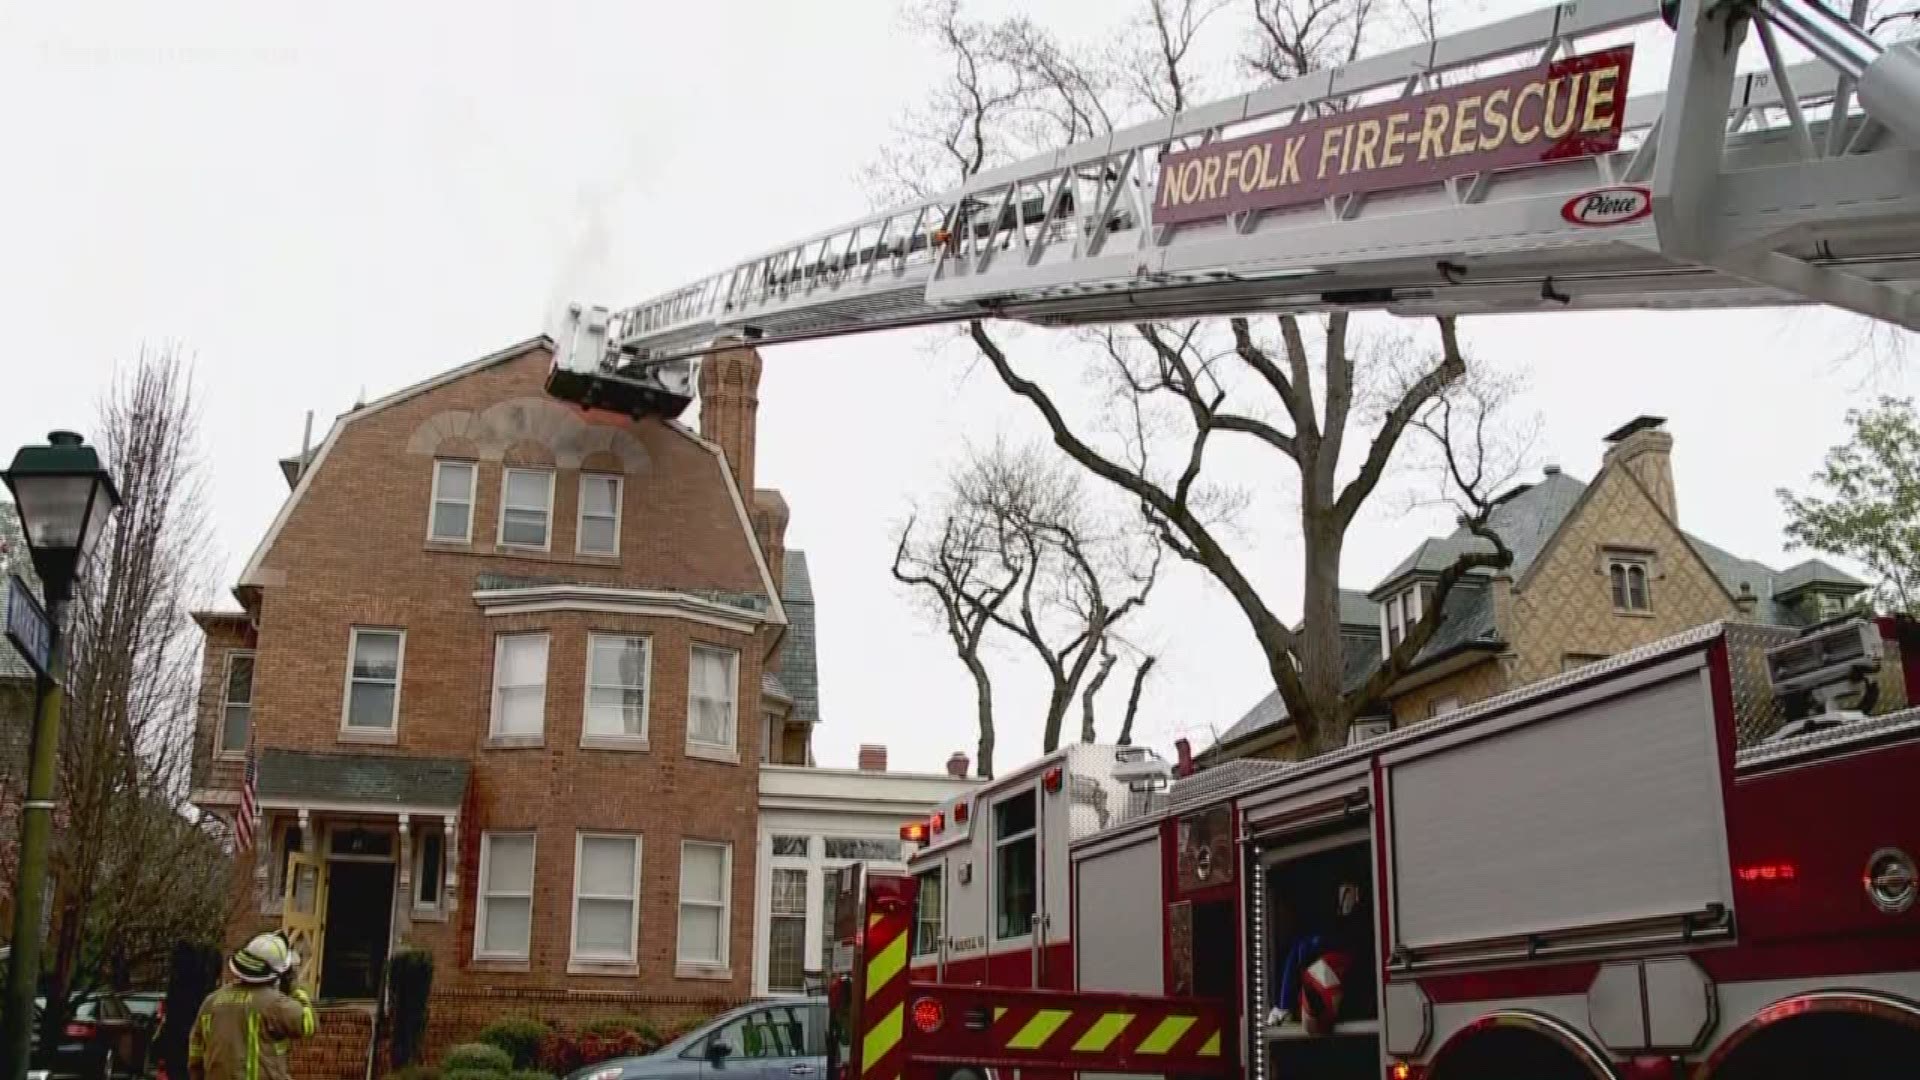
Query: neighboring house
x=515 y=675
x=1598 y=568
x=509 y=667
x=16 y=711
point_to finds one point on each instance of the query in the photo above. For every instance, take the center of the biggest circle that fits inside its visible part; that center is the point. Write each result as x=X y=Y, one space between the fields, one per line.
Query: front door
x=359 y=920
x=304 y=914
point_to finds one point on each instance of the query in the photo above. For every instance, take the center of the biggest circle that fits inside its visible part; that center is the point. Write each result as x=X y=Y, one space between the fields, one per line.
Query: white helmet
x=264 y=959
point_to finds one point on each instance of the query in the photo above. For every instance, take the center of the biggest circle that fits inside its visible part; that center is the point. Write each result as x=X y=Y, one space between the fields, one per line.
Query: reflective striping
x=1166 y=1035
x=999 y=1011
x=874 y=919
x=1039 y=1029
x=882 y=1037
x=1103 y=1032
x=887 y=964
x=1211 y=1048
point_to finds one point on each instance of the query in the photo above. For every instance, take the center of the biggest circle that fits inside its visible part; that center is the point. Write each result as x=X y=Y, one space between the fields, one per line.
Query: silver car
x=768 y=1040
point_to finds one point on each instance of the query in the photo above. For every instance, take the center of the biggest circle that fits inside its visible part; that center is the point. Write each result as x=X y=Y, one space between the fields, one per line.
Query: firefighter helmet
x=266 y=958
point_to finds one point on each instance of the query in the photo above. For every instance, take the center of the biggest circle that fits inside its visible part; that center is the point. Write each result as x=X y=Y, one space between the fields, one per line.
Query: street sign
x=28 y=626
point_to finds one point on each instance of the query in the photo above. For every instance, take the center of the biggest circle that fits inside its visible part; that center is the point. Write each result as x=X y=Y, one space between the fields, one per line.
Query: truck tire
x=1834 y=1045
x=1512 y=1054
x=967 y=1073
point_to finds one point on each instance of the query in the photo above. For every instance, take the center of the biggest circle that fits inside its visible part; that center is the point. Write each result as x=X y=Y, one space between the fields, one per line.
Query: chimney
x=769 y=513
x=729 y=404
x=873 y=758
x=1550 y=470
x=957 y=765
x=1643 y=447
x=1184 y=765
x=1746 y=601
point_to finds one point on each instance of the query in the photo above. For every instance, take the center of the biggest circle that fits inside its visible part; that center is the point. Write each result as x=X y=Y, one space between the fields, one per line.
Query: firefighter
x=243 y=1028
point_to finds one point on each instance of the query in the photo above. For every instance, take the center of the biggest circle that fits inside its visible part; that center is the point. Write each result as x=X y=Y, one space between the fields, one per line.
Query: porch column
x=450 y=849
x=403 y=902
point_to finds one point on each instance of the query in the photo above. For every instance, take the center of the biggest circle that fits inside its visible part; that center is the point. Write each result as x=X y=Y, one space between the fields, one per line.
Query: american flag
x=243 y=824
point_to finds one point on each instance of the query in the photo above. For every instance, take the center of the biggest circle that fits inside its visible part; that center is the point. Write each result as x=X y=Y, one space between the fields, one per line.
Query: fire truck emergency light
x=914 y=832
x=1051 y=781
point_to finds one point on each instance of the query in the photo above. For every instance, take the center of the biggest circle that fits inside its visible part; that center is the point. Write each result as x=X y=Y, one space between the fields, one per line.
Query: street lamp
x=64 y=497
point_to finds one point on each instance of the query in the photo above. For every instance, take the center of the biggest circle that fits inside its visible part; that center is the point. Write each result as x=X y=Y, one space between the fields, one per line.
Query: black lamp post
x=64 y=497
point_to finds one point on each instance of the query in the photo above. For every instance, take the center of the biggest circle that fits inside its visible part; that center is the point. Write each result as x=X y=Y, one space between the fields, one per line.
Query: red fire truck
x=1694 y=859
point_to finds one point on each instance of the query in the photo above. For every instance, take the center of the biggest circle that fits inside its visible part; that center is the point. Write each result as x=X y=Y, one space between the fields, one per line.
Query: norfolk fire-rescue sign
x=1569 y=108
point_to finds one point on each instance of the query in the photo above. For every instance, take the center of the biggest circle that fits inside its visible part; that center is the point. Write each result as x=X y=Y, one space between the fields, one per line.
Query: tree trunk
x=983 y=698
x=1058 y=702
x=1322 y=662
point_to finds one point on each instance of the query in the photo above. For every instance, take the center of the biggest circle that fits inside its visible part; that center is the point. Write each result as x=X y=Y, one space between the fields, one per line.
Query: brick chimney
x=769 y=513
x=729 y=405
x=957 y=765
x=873 y=758
x=1643 y=447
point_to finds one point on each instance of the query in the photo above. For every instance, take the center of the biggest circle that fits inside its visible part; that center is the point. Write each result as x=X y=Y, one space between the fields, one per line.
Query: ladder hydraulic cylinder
x=1888 y=78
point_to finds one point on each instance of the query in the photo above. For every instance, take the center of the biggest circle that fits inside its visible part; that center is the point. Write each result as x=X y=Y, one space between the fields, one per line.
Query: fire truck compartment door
x=1586 y=810
x=1118 y=927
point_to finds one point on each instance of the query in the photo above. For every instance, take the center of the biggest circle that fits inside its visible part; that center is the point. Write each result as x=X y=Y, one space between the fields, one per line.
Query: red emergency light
x=1051 y=781
x=914 y=832
x=939 y=822
x=959 y=813
x=928 y=1015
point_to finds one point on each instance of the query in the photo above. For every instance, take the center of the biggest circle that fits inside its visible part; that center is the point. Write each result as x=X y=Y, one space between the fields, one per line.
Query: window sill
x=726 y=755
x=456 y=546
x=516 y=742
x=369 y=735
x=629 y=743
x=525 y=554
x=603 y=558
x=235 y=756
x=1628 y=613
x=495 y=963
x=710 y=972
x=625 y=968
x=433 y=914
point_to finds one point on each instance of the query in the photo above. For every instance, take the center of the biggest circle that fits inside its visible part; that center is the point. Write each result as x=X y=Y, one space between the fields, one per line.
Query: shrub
x=563 y=1053
x=475 y=1057
x=410 y=979
x=529 y=1074
x=519 y=1036
x=415 y=1072
x=472 y=1074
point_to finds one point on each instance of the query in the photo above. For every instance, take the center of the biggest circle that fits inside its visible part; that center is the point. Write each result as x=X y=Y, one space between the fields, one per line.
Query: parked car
x=105 y=1038
x=768 y=1040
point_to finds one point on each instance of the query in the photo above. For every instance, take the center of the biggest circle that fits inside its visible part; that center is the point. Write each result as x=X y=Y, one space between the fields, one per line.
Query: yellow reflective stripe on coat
x=253 y=1045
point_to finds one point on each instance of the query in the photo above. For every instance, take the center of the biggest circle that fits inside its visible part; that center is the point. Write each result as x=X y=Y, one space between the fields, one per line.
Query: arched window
x=1627 y=578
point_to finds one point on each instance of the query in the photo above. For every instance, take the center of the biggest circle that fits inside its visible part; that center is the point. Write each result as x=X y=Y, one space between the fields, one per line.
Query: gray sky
x=326 y=201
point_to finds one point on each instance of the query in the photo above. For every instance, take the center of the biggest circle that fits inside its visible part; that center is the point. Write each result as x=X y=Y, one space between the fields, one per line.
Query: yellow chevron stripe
x=881 y=1038
x=1168 y=1033
x=999 y=1011
x=874 y=918
x=887 y=964
x=1103 y=1032
x=1039 y=1029
x=1211 y=1048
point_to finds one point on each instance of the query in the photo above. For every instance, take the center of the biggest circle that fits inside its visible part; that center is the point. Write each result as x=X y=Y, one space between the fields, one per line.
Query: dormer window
x=1401 y=613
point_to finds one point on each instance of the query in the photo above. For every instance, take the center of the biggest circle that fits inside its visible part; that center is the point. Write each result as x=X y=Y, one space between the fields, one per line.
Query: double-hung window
x=373 y=681
x=606 y=898
x=599 y=525
x=704 y=869
x=526 y=508
x=504 y=926
x=236 y=706
x=787 y=930
x=450 y=519
x=519 y=686
x=1628 y=580
x=617 y=677
x=711 y=684
x=1015 y=859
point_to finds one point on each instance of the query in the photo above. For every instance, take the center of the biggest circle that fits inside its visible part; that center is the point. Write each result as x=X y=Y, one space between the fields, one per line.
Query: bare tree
x=134 y=871
x=1018 y=552
x=1331 y=415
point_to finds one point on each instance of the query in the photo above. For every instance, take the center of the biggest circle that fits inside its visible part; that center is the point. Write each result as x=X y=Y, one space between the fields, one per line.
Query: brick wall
x=353 y=551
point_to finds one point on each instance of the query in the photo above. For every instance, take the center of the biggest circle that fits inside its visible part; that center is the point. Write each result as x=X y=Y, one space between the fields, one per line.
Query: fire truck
x=1694 y=859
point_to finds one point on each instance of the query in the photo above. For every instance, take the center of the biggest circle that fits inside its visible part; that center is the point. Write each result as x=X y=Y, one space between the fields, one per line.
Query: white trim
x=416 y=863
x=326 y=806
x=506 y=476
x=392 y=730
x=480 y=893
x=433 y=499
x=580 y=513
x=726 y=903
x=731 y=746
x=574 y=955
x=994 y=843
x=614 y=600
x=251 y=574
x=493 y=719
x=618 y=740
x=220 y=752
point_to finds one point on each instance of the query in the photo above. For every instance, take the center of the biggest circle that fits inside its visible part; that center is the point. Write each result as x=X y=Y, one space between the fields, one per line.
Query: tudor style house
x=1598 y=568
x=508 y=670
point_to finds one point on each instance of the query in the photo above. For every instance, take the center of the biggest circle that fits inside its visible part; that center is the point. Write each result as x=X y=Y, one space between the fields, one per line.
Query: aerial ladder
x=1397 y=183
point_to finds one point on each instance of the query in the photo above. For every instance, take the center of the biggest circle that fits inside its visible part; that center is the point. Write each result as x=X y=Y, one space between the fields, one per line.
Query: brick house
x=510 y=668
x=1598 y=567
x=16 y=712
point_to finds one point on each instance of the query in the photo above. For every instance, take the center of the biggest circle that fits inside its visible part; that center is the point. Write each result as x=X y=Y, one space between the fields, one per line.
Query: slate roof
x=14 y=560
x=373 y=779
x=1527 y=518
x=799 y=675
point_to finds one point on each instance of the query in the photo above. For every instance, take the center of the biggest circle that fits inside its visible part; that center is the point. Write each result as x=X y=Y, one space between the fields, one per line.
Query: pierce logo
x=1608 y=206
